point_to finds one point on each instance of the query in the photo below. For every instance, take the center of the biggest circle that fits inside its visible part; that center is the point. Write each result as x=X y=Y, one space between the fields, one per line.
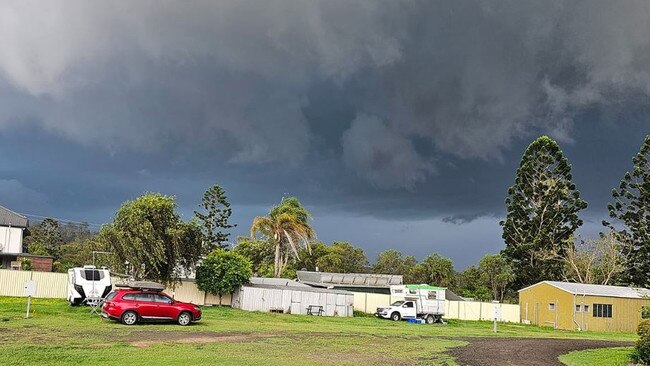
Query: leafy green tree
x=215 y=219
x=221 y=272
x=150 y=241
x=259 y=252
x=471 y=284
x=496 y=273
x=80 y=253
x=542 y=214
x=45 y=238
x=393 y=262
x=287 y=227
x=26 y=264
x=437 y=271
x=631 y=211
x=343 y=258
x=309 y=256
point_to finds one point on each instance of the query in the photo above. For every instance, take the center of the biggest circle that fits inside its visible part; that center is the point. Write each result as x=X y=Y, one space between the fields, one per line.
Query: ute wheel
x=395 y=316
x=430 y=319
x=129 y=317
x=184 y=318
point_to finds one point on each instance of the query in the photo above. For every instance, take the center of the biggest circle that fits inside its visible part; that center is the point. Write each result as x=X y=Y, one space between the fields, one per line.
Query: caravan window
x=432 y=295
x=92 y=275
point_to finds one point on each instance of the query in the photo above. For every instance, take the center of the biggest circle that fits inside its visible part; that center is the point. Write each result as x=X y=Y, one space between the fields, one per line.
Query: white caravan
x=415 y=302
x=88 y=282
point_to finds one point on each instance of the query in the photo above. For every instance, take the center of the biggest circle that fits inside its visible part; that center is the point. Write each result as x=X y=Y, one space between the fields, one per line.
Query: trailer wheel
x=430 y=319
x=129 y=317
x=395 y=316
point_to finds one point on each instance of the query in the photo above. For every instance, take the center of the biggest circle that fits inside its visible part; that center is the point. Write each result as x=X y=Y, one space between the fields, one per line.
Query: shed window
x=602 y=310
x=578 y=308
x=551 y=306
x=645 y=312
x=585 y=308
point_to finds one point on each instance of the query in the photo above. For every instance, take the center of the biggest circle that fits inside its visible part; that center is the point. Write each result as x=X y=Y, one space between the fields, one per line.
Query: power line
x=63 y=220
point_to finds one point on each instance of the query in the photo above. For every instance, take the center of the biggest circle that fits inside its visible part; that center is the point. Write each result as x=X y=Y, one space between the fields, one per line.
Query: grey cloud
x=230 y=80
x=383 y=156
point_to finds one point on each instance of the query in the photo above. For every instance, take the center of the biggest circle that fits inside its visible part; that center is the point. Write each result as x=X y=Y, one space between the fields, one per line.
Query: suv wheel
x=395 y=316
x=184 y=318
x=129 y=317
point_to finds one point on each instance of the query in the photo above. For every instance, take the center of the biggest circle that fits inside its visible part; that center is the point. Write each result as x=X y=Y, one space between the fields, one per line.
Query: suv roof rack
x=142 y=285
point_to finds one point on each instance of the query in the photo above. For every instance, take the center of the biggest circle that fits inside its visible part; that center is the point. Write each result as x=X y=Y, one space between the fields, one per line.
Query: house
x=577 y=306
x=280 y=295
x=13 y=228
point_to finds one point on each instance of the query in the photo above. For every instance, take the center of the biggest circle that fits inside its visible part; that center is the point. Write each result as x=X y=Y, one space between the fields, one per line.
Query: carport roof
x=10 y=218
x=597 y=290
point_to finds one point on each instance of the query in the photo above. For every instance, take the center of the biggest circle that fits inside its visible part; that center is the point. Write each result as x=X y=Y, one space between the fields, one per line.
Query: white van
x=88 y=282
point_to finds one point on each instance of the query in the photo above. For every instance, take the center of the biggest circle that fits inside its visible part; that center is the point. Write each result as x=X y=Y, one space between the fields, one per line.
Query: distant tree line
x=147 y=238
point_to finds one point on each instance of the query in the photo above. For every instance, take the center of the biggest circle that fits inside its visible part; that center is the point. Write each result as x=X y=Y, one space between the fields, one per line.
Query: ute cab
x=145 y=301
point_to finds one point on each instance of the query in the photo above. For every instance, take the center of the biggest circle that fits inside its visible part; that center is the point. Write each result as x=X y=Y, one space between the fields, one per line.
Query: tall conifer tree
x=631 y=209
x=542 y=214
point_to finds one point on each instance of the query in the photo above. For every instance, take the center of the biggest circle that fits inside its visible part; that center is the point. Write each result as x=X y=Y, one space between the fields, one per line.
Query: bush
x=222 y=272
x=25 y=264
x=641 y=352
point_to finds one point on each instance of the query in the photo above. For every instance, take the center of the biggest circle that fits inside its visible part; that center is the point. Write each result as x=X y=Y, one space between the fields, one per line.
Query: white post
x=29 y=302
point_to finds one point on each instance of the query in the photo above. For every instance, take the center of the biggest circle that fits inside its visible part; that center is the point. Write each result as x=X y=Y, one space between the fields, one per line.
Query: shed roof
x=329 y=279
x=597 y=290
x=10 y=218
x=258 y=282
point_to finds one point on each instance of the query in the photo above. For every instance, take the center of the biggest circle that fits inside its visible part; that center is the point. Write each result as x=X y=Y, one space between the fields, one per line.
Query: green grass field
x=61 y=335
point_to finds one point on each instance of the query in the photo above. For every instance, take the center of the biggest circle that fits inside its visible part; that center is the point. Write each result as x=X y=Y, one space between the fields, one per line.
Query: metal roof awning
x=11 y=218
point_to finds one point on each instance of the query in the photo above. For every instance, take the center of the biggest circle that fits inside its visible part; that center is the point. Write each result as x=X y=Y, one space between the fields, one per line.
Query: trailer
x=421 y=302
x=88 y=282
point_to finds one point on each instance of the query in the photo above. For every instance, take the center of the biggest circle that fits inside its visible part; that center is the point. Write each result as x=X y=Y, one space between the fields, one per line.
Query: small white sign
x=30 y=288
x=497 y=313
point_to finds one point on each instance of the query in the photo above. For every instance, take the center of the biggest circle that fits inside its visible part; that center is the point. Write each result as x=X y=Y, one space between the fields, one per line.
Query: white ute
x=415 y=302
x=88 y=282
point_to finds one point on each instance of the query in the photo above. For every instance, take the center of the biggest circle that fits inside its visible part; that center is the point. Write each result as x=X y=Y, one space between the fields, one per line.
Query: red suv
x=130 y=305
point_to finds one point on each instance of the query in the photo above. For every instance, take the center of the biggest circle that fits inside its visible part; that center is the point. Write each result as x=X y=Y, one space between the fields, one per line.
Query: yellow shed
x=579 y=306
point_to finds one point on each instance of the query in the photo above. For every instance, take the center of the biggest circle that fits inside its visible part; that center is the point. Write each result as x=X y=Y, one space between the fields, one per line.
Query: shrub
x=222 y=272
x=641 y=352
x=25 y=264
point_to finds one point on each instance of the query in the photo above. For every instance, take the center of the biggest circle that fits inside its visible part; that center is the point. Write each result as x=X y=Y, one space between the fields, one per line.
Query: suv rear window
x=144 y=297
x=111 y=295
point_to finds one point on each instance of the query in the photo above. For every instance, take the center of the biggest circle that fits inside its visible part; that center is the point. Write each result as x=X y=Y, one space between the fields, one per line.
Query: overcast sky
x=399 y=124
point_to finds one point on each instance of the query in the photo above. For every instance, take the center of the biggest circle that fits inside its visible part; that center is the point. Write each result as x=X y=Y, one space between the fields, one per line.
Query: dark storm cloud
x=400 y=110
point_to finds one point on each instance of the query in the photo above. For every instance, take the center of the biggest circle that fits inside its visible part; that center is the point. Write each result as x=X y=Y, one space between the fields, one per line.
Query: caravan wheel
x=430 y=319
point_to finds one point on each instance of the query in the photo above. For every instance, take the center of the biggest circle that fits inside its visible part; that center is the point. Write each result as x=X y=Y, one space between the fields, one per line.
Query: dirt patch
x=146 y=339
x=522 y=351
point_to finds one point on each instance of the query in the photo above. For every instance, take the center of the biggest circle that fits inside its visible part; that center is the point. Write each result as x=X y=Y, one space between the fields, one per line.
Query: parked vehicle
x=415 y=302
x=87 y=282
x=146 y=302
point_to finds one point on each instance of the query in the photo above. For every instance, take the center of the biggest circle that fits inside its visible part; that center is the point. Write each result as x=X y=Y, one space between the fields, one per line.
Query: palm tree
x=287 y=228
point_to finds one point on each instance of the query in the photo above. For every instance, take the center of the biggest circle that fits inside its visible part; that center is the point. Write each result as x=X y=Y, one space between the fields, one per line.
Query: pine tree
x=631 y=209
x=542 y=214
x=218 y=211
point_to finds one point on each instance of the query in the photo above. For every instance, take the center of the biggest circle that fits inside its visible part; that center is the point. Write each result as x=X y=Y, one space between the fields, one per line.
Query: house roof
x=597 y=290
x=328 y=279
x=284 y=284
x=10 y=218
